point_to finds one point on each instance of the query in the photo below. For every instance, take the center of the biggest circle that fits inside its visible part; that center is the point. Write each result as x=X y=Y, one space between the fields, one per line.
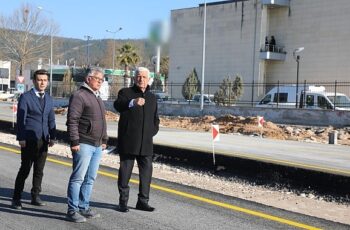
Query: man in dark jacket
x=86 y=124
x=36 y=131
x=138 y=123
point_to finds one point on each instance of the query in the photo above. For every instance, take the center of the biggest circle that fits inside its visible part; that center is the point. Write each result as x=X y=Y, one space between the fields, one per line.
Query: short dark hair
x=40 y=72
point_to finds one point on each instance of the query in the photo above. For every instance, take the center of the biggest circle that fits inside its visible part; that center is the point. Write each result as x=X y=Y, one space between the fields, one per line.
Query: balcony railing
x=276 y=3
x=272 y=52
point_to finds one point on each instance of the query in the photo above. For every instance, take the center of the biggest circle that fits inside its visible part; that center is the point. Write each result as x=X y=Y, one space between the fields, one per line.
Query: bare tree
x=25 y=36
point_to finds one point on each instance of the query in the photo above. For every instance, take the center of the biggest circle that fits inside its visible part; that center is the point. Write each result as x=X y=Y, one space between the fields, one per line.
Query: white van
x=312 y=97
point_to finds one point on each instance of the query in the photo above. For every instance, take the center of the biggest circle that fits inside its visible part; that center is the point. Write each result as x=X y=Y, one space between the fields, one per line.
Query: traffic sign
x=14 y=108
x=215 y=132
x=20 y=88
x=260 y=121
x=20 y=79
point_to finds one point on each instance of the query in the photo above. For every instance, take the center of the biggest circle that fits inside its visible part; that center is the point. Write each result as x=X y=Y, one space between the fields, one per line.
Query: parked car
x=208 y=99
x=6 y=95
x=161 y=96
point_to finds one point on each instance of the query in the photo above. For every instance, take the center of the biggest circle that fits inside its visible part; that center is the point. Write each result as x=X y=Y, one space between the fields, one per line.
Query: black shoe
x=16 y=204
x=144 y=207
x=123 y=208
x=37 y=201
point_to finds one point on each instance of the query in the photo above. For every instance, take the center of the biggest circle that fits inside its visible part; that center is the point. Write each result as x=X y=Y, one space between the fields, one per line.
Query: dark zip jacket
x=86 y=121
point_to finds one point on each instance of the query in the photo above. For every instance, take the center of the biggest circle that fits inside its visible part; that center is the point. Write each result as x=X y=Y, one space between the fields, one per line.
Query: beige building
x=5 y=73
x=235 y=42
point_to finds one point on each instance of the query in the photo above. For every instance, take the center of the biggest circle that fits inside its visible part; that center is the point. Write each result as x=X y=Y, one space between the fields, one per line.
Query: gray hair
x=141 y=69
x=91 y=71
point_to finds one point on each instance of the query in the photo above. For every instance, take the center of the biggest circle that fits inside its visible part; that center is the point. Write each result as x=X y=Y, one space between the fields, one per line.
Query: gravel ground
x=308 y=204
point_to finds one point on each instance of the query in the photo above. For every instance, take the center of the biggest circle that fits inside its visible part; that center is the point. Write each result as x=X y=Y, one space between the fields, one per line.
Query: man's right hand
x=140 y=101
x=75 y=149
x=22 y=144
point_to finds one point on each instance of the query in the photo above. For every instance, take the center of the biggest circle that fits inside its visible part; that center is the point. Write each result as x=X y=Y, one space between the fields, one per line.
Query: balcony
x=273 y=52
x=276 y=3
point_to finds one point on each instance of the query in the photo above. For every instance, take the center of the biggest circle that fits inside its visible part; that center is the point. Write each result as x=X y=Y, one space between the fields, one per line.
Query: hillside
x=100 y=51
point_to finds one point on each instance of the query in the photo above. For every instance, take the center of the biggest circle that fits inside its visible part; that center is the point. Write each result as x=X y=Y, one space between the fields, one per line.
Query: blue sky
x=77 y=18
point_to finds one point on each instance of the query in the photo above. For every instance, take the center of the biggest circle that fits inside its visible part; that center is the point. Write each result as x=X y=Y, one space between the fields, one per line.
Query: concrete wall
x=280 y=116
x=236 y=32
x=229 y=43
x=321 y=27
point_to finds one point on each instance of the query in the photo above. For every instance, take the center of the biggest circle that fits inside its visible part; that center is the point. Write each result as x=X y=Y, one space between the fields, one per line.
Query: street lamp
x=51 y=42
x=297 y=59
x=114 y=32
x=203 y=57
x=88 y=37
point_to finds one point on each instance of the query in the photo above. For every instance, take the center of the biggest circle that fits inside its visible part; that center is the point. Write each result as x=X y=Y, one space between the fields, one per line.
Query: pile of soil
x=247 y=126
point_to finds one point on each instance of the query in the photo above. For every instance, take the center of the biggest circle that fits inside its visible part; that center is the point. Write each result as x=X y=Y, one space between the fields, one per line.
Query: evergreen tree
x=157 y=83
x=229 y=91
x=225 y=94
x=191 y=86
x=238 y=87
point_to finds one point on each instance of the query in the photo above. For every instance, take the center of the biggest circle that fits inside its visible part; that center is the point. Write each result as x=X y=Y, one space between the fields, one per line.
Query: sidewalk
x=334 y=159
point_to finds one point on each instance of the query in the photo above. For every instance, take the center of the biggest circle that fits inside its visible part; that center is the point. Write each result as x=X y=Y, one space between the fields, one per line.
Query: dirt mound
x=110 y=116
x=245 y=125
x=249 y=126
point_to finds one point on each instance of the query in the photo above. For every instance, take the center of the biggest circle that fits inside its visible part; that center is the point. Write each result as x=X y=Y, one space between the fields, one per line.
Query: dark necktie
x=41 y=99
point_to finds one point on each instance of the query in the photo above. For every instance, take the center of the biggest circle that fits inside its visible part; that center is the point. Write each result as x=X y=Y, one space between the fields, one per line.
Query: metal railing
x=253 y=93
x=272 y=48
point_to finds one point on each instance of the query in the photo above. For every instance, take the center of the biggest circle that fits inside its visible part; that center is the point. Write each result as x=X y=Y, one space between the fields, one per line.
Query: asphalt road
x=333 y=159
x=177 y=206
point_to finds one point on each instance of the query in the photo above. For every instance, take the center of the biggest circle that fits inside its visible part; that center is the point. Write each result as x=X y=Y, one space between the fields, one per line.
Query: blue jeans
x=85 y=165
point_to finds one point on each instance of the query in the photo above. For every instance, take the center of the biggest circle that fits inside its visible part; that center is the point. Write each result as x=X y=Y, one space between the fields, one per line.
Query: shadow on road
x=44 y=211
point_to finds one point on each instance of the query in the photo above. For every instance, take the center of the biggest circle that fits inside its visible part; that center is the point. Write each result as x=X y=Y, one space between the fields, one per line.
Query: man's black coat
x=137 y=124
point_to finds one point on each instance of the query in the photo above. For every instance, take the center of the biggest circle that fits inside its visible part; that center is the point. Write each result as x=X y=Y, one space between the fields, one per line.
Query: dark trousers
x=145 y=175
x=34 y=153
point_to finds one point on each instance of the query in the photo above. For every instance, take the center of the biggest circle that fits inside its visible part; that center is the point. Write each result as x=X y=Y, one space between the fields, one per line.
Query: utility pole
x=297 y=59
x=114 y=32
x=51 y=50
x=203 y=56
x=88 y=37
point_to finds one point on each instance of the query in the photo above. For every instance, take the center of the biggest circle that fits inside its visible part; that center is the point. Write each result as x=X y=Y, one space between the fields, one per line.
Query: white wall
x=321 y=26
x=6 y=81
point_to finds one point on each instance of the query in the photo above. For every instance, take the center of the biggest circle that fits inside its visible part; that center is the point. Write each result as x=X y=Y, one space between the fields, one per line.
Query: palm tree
x=127 y=57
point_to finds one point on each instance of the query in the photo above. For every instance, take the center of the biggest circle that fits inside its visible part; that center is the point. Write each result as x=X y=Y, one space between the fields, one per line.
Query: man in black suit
x=138 y=123
x=36 y=131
